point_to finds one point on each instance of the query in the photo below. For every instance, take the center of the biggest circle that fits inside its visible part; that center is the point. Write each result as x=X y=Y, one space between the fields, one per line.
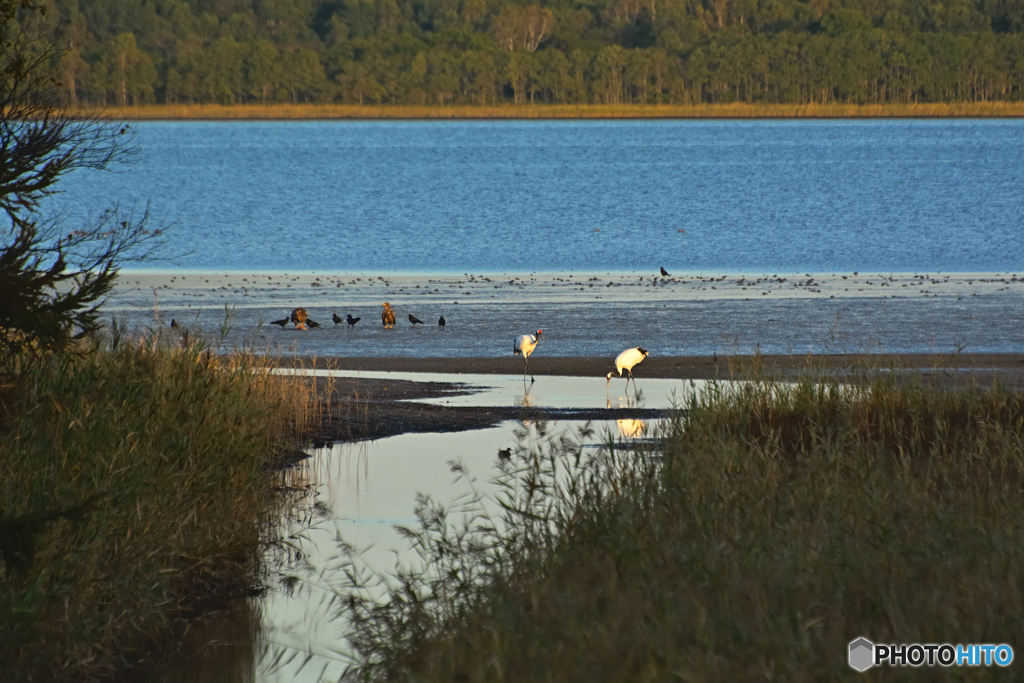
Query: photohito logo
x=864 y=654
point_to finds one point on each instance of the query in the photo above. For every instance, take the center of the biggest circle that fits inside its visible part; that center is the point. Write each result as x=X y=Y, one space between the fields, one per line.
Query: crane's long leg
x=532 y=380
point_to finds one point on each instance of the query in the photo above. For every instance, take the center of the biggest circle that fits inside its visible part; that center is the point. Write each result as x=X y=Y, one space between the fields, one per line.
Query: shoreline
x=585 y=314
x=360 y=408
x=313 y=112
x=1008 y=366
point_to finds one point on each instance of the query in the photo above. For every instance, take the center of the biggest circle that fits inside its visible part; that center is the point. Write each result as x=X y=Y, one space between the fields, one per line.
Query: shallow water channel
x=358 y=493
x=549 y=391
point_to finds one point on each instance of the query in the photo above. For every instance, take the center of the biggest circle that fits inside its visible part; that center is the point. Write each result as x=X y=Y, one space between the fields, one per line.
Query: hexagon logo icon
x=862 y=654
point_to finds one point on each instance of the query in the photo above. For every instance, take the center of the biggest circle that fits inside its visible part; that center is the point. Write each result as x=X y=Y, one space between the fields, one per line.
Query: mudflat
x=1007 y=367
x=355 y=408
x=687 y=315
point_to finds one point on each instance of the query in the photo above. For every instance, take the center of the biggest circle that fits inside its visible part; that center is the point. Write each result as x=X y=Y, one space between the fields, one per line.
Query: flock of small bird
x=302 y=321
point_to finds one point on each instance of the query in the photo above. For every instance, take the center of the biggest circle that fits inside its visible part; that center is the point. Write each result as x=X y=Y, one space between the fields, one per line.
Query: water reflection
x=354 y=495
x=359 y=494
x=549 y=391
x=631 y=428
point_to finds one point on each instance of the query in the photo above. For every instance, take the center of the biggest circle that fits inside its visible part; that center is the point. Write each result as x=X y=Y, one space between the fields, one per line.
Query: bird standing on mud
x=298 y=317
x=283 y=322
x=387 y=316
x=625 y=361
x=337 y=319
x=664 y=273
x=312 y=323
x=440 y=322
x=414 y=320
x=350 y=320
x=524 y=346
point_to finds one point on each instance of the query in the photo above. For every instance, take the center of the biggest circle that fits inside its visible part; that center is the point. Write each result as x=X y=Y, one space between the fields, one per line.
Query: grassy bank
x=777 y=527
x=137 y=484
x=573 y=111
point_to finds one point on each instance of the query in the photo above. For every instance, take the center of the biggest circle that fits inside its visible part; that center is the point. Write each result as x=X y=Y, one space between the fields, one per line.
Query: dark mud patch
x=353 y=409
x=1004 y=367
x=360 y=408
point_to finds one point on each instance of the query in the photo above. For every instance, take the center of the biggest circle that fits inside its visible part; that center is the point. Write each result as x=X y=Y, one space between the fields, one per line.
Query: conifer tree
x=53 y=278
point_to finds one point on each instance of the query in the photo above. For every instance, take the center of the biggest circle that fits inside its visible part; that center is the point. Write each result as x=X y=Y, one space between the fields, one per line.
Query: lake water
x=524 y=196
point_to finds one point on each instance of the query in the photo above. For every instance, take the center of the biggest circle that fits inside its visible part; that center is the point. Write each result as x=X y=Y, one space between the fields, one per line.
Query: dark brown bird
x=283 y=322
x=387 y=316
x=312 y=323
x=298 y=317
x=664 y=273
x=336 y=318
x=414 y=320
x=174 y=324
x=440 y=322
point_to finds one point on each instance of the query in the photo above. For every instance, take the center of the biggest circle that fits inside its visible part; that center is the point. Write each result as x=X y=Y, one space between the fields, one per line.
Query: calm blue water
x=751 y=196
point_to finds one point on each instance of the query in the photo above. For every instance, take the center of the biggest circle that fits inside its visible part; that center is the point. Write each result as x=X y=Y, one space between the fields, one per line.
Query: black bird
x=311 y=323
x=664 y=273
x=504 y=454
x=283 y=322
x=440 y=322
x=414 y=320
x=174 y=324
x=351 y=321
x=336 y=318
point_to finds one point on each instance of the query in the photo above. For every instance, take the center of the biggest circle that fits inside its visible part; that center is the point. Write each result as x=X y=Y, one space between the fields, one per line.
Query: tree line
x=482 y=52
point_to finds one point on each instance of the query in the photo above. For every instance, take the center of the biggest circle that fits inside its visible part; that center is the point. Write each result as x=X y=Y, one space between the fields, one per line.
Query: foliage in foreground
x=137 y=484
x=53 y=279
x=778 y=526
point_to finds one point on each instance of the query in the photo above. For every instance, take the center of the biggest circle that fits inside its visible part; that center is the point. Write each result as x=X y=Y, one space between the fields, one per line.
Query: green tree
x=480 y=75
x=442 y=77
x=54 y=279
x=263 y=70
x=517 y=72
x=303 y=74
x=609 y=67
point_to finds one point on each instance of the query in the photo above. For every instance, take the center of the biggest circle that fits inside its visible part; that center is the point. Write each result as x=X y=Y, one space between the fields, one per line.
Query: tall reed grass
x=778 y=524
x=137 y=490
x=569 y=111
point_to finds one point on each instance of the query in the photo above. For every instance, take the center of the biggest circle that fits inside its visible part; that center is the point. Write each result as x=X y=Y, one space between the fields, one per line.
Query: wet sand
x=1007 y=366
x=355 y=408
x=588 y=314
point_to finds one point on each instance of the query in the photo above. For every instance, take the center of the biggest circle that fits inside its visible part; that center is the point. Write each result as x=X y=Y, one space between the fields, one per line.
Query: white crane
x=625 y=361
x=524 y=346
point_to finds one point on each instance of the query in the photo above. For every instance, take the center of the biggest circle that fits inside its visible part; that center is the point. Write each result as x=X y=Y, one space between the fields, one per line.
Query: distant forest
x=485 y=52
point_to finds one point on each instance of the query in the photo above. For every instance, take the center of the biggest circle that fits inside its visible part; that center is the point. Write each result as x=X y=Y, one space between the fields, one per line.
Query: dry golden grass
x=568 y=111
x=173 y=452
x=780 y=524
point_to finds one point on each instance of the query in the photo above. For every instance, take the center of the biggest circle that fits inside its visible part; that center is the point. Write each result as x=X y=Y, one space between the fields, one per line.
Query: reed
x=781 y=523
x=568 y=111
x=138 y=490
